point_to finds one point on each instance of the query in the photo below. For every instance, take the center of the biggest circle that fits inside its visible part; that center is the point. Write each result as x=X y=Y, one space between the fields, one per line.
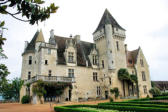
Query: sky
x=145 y=21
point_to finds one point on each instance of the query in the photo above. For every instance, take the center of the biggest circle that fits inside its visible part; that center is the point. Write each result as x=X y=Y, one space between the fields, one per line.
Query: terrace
x=51 y=79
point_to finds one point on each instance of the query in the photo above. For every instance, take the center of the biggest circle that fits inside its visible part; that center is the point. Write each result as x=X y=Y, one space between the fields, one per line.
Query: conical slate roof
x=107 y=18
x=38 y=37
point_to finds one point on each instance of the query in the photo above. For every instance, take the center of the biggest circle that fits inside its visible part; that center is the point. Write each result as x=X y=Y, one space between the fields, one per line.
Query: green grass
x=99 y=110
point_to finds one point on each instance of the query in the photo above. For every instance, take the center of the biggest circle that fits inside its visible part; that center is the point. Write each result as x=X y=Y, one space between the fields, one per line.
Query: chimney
x=26 y=44
x=77 y=38
x=125 y=48
x=52 y=33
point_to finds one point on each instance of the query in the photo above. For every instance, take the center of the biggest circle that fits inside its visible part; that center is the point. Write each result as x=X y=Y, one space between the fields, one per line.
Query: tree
x=30 y=9
x=115 y=91
x=16 y=86
x=133 y=79
x=155 y=91
x=3 y=74
x=11 y=90
x=39 y=89
x=123 y=75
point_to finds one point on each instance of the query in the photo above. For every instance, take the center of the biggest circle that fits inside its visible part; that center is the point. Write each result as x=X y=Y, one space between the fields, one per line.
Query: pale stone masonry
x=89 y=69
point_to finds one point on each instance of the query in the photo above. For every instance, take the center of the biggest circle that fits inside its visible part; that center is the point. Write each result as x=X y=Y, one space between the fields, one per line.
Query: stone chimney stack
x=77 y=38
x=125 y=48
x=26 y=44
x=52 y=33
x=52 y=39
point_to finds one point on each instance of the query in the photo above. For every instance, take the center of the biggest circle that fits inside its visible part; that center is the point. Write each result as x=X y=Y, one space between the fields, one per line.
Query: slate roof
x=31 y=45
x=132 y=56
x=107 y=18
x=83 y=50
x=162 y=85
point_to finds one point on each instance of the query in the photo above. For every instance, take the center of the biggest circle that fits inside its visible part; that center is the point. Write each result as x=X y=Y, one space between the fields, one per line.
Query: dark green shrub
x=115 y=91
x=111 y=100
x=25 y=99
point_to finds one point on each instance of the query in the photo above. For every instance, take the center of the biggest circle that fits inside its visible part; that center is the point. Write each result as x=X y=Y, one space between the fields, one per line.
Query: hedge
x=66 y=109
x=148 y=99
x=135 y=104
x=133 y=108
x=74 y=108
x=145 y=102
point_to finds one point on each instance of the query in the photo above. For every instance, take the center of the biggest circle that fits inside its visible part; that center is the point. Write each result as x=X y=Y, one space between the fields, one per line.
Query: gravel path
x=16 y=107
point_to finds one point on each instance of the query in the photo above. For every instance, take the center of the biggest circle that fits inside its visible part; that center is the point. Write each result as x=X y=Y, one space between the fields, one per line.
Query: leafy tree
x=123 y=75
x=16 y=86
x=39 y=89
x=30 y=9
x=11 y=90
x=3 y=74
x=115 y=91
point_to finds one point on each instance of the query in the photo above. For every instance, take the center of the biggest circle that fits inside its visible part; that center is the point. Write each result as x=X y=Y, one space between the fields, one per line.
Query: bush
x=111 y=100
x=135 y=104
x=25 y=99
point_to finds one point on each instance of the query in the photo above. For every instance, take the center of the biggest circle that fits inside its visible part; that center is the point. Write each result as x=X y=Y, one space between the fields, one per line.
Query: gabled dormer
x=70 y=53
x=94 y=57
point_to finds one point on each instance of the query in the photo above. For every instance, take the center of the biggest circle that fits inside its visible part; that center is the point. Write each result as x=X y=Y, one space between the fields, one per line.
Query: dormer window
x=30 y=60
x=95 y=60
x=70 y=57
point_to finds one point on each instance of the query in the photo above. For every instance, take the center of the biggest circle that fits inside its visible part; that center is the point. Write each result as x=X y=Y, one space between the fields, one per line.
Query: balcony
x=51 y=79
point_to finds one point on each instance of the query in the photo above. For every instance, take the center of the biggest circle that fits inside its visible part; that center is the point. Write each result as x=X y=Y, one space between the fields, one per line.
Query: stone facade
x=89 y=68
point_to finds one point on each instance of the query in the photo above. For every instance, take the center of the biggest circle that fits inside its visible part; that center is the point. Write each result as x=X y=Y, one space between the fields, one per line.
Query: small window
x=71 y=72
x=49 y=51
x=141 y=62
x=29 y=75
x=98 y=91
x=110 y=51
x=117 y=45
x=46 y=62
x=110 y=80
x=95 y=76
x=143 y=76
x=30 y=60
x=49 y=73
x=35 y=62
x=145 y=89
x=102 y=63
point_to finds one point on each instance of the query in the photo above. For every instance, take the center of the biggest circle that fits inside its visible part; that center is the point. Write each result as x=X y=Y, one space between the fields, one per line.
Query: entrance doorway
x=106 y=94
x=70 y=94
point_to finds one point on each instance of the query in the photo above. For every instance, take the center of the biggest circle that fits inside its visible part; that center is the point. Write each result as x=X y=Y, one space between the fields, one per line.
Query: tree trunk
x=124 y=88
x=128 y=89
x=133 y=89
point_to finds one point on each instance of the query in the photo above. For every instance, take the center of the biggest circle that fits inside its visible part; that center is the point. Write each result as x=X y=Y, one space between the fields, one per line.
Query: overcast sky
x=145 y=21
